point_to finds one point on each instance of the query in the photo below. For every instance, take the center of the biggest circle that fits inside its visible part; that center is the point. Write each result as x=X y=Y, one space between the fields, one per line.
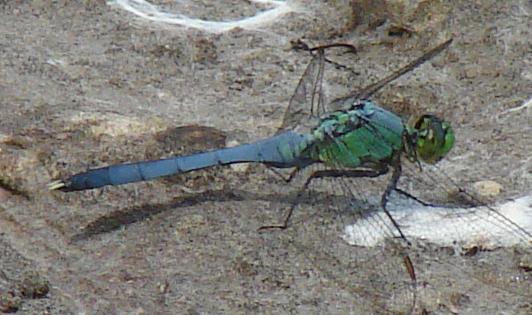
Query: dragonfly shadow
x=126 y=216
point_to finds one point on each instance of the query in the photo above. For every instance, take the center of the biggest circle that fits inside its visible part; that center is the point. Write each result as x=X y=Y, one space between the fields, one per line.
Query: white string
x=148 y=11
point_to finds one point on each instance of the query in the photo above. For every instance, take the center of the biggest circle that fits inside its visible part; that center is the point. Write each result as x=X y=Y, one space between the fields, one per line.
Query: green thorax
x=364 y=135
x=367 y=135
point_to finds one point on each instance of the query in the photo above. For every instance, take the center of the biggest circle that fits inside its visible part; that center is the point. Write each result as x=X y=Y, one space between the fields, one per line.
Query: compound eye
x=436 y=138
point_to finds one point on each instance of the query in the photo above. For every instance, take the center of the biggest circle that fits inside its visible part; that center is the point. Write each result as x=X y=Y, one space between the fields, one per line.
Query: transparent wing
x=368 y=91
x=308 y=100
x=467 y=219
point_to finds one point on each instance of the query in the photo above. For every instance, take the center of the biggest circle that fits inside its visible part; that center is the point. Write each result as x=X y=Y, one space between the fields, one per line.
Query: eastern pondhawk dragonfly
x=359 y=140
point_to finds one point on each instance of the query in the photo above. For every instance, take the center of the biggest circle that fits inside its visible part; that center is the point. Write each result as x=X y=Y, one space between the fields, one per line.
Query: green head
x=432 y=138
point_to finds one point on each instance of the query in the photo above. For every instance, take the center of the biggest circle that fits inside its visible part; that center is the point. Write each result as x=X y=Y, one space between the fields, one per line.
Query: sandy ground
x=84 y=84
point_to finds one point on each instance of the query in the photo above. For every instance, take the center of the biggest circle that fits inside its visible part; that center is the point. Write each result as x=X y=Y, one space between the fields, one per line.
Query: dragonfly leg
x=286 y=179
x=324 y=174
x=292 y=174
x=345 y=173
x=428 y=204
x=412 y=273
x=416 y=199
x=384 y=200
x=410 y=196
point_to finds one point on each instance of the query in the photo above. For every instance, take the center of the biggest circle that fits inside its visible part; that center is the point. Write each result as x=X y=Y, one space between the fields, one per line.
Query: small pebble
x=487 y=188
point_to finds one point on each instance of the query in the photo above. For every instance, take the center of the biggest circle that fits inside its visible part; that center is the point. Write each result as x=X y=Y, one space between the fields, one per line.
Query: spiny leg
x=324 y=174
x=299 y=44
x=412 y=273
x=286 y=179
x=392 y=185
x=416 y=199
x=425 y=203
x=292 y=174
x=351 y=49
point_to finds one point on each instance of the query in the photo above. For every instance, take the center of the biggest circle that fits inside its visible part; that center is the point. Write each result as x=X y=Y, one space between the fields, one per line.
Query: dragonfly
x=362 y=136
x=359 y=140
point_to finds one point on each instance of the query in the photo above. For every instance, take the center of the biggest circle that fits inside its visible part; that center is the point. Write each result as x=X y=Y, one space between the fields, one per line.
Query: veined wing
x=471 y=221
x=308 y=102
x=308 y=97
x=368 y=91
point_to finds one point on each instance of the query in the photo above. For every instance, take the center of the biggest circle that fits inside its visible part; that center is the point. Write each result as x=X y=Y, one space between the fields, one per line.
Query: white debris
x=478 y=226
